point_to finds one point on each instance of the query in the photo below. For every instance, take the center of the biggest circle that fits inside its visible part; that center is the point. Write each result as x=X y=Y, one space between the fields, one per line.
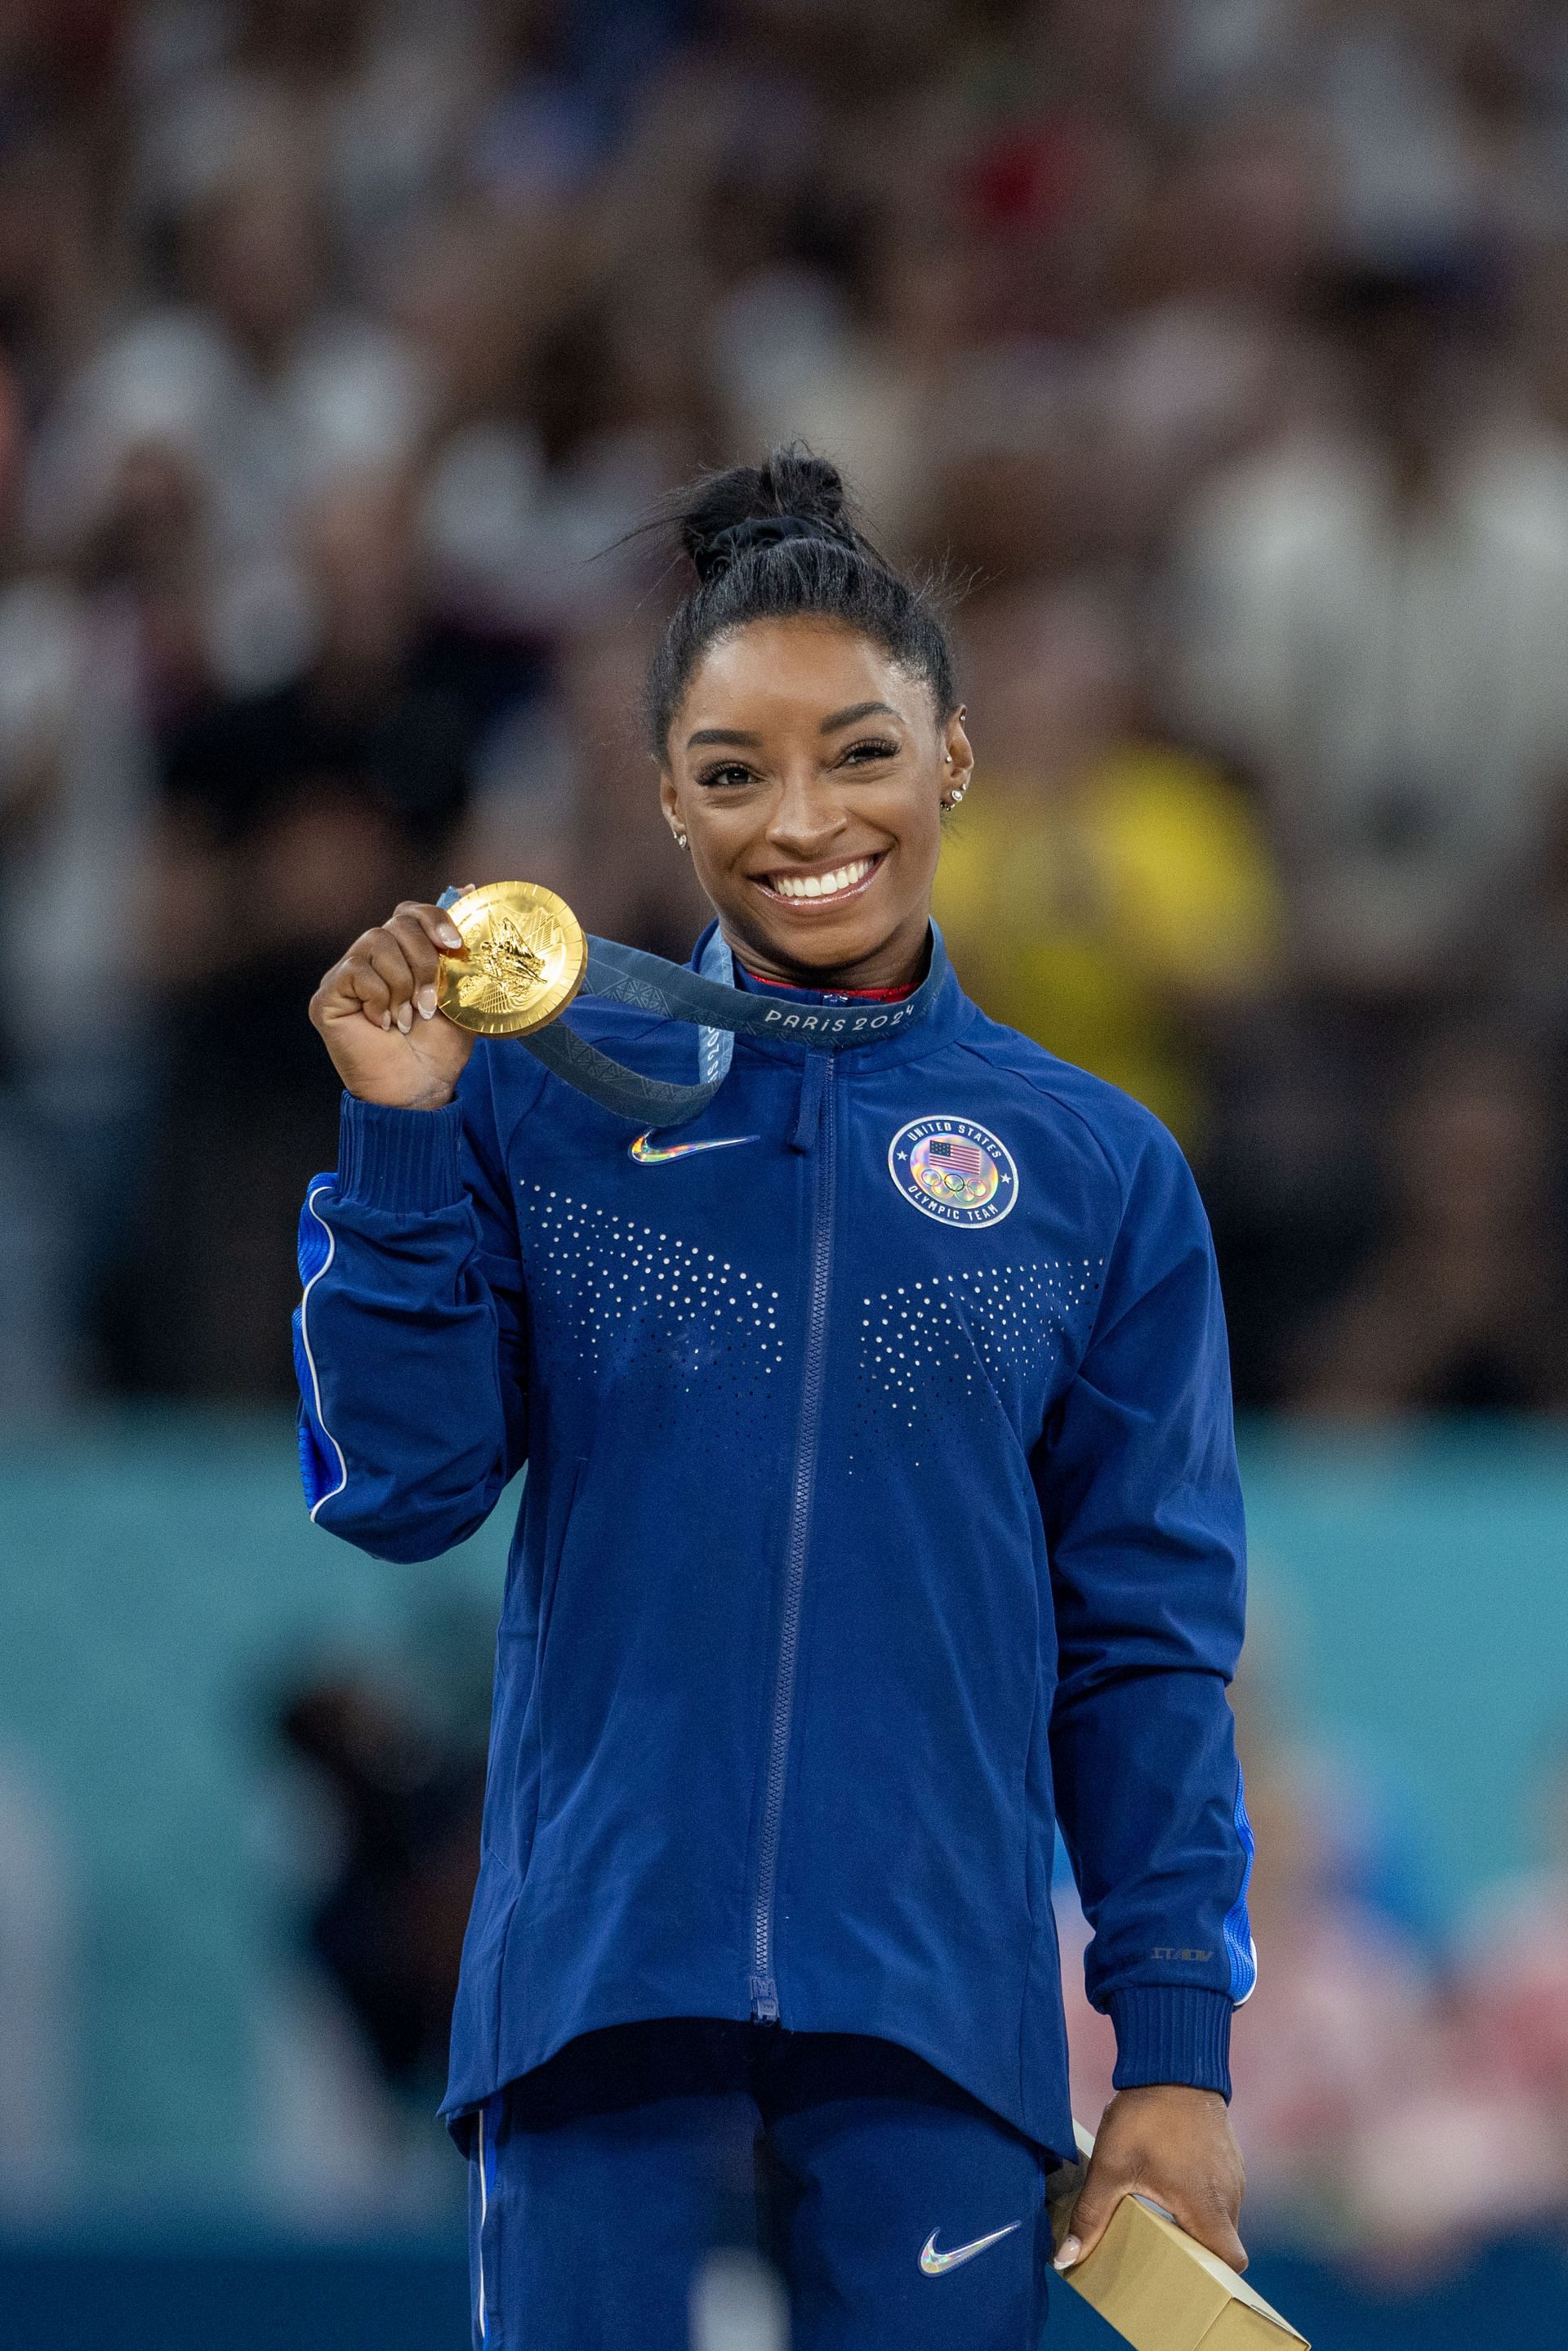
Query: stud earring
x=954 y=798
x=680 y=841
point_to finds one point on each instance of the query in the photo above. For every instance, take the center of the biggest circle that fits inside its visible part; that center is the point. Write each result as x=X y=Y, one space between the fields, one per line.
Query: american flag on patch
x=964 y=1158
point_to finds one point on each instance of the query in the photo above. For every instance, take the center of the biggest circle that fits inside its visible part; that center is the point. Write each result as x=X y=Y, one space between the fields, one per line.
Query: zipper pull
x=813 y=1087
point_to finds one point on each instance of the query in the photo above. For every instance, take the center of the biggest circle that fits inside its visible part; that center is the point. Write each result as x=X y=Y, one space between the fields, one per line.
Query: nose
x=806 y=819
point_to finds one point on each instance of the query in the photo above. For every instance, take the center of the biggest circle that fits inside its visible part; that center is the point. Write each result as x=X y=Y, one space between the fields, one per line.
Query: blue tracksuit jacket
x=881 y=1512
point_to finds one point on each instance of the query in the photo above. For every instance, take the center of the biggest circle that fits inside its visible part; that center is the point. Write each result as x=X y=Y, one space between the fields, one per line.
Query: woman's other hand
x=1174 y=2146
x=377 y=1013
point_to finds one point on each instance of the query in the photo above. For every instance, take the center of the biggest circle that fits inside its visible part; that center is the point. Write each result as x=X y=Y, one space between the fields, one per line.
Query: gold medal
x=524 y=960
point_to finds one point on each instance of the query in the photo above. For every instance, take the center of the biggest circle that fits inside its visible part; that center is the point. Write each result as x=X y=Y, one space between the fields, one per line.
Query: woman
x=881 y=1511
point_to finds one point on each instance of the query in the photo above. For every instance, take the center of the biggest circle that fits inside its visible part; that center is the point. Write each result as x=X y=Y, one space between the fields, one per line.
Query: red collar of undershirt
x=832 y=995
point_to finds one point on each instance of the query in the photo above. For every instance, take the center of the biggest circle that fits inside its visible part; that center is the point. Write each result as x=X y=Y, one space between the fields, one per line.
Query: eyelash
x=728 y=770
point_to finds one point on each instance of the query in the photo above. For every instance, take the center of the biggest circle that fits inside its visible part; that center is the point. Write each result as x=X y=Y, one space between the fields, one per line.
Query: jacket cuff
x=1171 y=2032
x=399 y=1159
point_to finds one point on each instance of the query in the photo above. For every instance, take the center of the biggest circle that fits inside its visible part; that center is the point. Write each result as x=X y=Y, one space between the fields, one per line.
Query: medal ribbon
x=718 y=1011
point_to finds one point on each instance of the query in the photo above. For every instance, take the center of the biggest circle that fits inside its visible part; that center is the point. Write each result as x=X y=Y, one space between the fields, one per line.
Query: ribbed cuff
x=1171 y=2032
x=398 y=1158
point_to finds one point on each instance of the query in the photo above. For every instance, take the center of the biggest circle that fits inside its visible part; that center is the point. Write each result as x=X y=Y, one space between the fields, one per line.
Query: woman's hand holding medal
x=500 y=961
x=378 y=1009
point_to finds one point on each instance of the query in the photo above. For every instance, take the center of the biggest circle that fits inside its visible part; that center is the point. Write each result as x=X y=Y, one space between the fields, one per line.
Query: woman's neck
x=833 y=995
x=898 y=963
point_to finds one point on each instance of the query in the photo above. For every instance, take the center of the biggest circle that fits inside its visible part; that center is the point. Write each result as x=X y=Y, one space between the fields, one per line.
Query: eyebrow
x=857 y=710
x=830 y=726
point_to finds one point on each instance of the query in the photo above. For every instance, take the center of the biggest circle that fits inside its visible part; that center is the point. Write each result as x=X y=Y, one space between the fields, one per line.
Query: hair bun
x=762 y=531
x=793 y=495
x=780 y=541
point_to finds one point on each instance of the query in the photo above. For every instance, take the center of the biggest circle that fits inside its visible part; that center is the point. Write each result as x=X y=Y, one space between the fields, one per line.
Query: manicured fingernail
x=1069 y=2253
x=386 y=1019
x=426 y=1002
x=405 y=1018
x=450 y=936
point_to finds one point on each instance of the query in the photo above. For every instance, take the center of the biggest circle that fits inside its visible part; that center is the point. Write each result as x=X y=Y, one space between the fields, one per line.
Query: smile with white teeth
x=841 y=883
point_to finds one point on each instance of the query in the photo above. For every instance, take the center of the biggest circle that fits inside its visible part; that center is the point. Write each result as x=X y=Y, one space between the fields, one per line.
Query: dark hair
x=779 y=541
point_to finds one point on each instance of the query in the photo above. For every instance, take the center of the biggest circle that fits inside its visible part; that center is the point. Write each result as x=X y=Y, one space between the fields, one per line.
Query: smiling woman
x=880 y=1513
x=804 y=714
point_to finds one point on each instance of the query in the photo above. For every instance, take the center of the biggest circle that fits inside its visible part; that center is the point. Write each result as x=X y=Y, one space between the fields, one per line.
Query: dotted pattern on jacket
x=637 y=1303
x=931 y=1349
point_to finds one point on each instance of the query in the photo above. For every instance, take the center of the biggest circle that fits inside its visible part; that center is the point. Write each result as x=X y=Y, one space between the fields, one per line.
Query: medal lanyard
x=709 y=1000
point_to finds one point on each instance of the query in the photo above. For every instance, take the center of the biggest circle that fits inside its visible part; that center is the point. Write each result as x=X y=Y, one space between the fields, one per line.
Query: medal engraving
x=524 y=960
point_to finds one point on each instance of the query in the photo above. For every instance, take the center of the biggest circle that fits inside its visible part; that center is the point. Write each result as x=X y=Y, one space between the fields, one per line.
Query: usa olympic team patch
x=952 y=1170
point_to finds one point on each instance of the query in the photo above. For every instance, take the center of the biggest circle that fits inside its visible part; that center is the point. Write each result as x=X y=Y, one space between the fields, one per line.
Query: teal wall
x=1411 y=1597
x=156 y=1579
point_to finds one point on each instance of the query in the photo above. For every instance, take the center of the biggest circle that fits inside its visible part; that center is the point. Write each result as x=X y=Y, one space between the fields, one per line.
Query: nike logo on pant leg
x=937 y=2264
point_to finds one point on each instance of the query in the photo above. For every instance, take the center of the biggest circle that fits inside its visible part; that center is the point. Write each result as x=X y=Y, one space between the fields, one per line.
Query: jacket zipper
x=765 y=1989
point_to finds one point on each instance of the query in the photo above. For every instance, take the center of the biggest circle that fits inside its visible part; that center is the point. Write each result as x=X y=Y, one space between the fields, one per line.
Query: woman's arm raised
x=408 y=1340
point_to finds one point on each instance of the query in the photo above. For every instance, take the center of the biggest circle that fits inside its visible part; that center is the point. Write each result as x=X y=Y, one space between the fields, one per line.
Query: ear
x=958 y=758
x=670 y=801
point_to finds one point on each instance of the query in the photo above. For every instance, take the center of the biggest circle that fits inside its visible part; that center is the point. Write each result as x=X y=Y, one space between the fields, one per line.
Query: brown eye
x=861 y=752
x=731 y=772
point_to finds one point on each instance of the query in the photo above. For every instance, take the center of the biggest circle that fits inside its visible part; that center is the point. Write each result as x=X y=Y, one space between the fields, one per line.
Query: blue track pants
x=598 y=2184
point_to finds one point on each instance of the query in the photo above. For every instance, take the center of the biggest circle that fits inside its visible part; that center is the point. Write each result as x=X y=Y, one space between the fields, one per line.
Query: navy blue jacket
x=881 y=1512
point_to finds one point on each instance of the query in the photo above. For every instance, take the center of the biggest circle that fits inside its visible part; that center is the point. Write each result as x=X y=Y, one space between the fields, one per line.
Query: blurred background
x=1216 y=349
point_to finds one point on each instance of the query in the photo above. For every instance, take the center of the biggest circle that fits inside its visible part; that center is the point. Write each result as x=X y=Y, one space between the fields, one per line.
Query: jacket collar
x=883 y=1034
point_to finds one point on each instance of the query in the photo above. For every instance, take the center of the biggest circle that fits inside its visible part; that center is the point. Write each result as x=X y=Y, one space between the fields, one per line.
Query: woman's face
x=808 y=772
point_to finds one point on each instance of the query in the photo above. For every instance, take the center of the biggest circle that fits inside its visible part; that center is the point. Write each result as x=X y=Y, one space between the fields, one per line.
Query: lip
x=763 y=882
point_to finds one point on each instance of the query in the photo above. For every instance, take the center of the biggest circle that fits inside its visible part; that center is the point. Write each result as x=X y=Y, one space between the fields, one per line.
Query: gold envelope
x=1159 y=2287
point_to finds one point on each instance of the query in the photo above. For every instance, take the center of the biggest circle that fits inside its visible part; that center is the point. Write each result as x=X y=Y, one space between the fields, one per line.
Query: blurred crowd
x=1210 y=348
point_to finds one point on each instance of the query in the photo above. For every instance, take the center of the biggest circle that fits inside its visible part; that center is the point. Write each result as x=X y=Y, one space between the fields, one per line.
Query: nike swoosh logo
x=648 y=1154
x=937 y=2264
